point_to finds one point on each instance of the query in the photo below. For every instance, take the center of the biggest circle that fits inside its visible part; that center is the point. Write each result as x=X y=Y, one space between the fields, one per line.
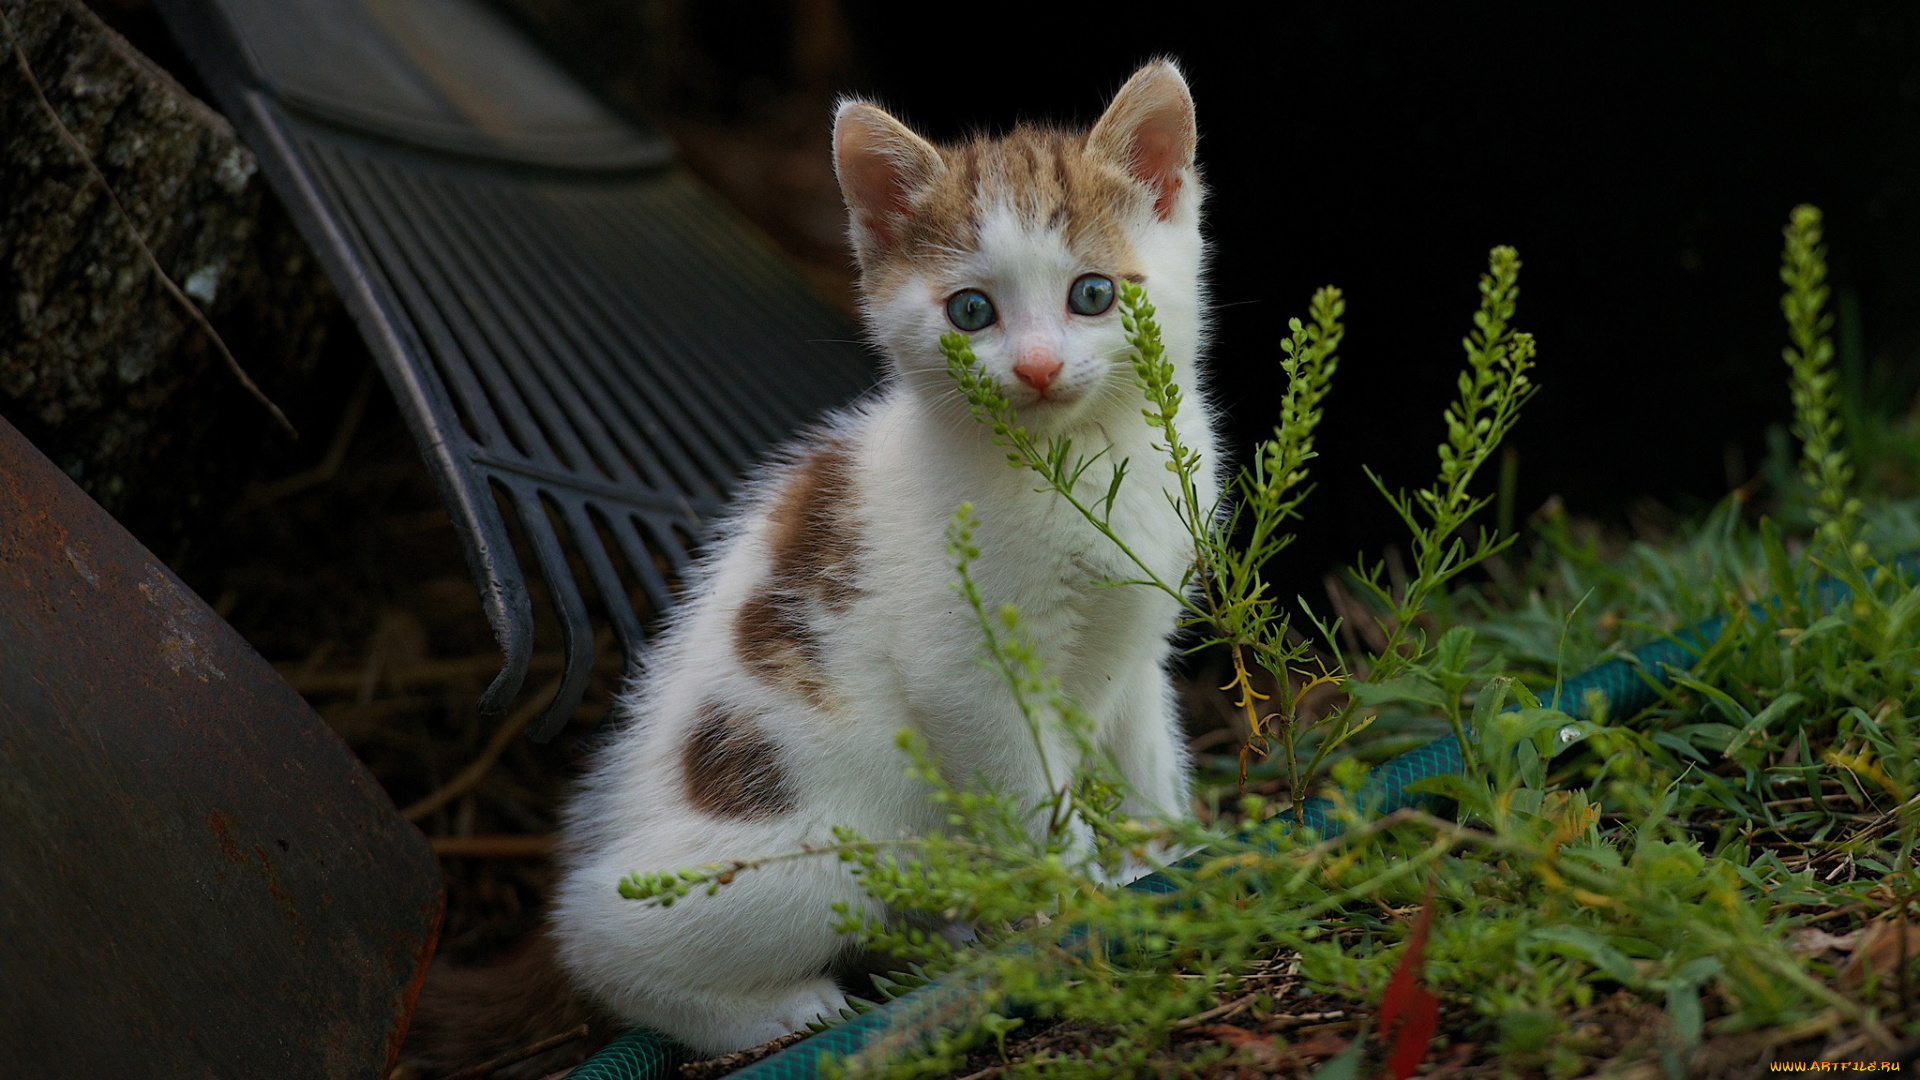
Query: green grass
x=1633 y=894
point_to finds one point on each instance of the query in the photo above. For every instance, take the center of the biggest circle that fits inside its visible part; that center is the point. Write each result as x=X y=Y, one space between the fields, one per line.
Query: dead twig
x=336 y=455
x=1218 y=1012
x=714 y=1068
x=166 y=281
x=1278 y=1023
x=478 y=768
x=514 y=1057
x=495 y=846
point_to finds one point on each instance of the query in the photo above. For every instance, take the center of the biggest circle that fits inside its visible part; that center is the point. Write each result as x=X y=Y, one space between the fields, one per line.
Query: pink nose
x=1036 y=368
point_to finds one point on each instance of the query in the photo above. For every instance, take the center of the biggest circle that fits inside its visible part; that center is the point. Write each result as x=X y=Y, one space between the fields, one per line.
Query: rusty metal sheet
x=197 y=878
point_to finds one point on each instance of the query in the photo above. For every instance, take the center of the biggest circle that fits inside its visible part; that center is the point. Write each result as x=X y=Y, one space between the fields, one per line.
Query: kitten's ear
x=881 y=164
x=1149 y=131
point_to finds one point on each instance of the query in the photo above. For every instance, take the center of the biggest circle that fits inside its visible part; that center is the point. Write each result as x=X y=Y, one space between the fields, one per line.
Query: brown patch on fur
x=470 y=1015
x=777 y=646
x=731 y=768
x=1045 y=175
x=813 y=537
x=813 y=547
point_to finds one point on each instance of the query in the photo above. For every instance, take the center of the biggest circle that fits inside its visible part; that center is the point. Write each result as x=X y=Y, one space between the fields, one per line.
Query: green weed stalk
x=1668 y=856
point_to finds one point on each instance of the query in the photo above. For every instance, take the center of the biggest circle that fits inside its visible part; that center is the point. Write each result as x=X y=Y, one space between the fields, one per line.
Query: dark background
x=1641 y=157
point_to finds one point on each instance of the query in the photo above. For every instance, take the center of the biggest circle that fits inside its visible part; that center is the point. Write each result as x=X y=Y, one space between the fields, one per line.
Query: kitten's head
x=1021 y=242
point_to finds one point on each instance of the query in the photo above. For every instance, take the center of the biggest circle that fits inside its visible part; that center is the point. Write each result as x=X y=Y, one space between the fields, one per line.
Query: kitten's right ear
x=1148 y=130
x=881 y=164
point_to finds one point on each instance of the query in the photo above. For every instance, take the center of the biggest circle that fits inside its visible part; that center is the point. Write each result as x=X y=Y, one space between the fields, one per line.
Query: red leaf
x=1413 y=964
x=1416 y=1033
x=1406 y=1000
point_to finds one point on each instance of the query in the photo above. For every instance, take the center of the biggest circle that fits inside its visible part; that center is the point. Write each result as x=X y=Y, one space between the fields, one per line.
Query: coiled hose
x=1627 y=683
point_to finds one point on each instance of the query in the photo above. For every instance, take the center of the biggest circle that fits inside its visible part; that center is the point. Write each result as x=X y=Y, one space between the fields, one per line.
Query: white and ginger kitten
x=823 y=620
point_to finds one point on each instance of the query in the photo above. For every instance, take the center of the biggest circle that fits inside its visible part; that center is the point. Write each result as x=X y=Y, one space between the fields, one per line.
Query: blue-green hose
x=637 y=1055
x=1627 y=684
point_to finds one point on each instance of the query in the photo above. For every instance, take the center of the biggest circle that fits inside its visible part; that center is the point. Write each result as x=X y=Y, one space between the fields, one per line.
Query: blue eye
x=970 y=310
x=1091 y=294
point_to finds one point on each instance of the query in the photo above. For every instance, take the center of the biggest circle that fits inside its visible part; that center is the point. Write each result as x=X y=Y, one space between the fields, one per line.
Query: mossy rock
x=99 y=365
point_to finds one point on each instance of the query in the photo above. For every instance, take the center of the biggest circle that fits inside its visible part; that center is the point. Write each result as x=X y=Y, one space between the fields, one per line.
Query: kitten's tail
x=467 y=1016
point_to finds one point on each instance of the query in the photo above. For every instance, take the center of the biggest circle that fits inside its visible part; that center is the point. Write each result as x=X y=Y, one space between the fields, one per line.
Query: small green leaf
x=1472 y=796
x=1592 y=948
x=1683 y=1009
x=1417 y=688
x=1451 y=652
x=1822 y=627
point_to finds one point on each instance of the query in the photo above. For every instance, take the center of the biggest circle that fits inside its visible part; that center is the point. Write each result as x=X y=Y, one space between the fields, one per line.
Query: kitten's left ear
x=1149 y=131
x=882 y=165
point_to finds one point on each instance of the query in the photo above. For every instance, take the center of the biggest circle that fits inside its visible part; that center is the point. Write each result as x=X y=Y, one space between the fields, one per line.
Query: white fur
x=733 y=970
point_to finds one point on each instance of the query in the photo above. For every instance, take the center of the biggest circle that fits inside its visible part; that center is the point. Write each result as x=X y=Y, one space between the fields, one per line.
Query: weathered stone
x=99 y=366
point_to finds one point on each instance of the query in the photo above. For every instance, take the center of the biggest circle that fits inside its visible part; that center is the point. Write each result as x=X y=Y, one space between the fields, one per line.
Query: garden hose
x=1627 y=683
x=638 y=1054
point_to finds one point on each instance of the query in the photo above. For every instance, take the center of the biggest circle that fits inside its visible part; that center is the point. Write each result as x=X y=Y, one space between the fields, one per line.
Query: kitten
x=823 y=620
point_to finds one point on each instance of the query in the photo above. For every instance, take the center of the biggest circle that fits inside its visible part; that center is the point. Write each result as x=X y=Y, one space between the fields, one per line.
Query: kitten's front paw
x=782 y=1011
x=817 y=1000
